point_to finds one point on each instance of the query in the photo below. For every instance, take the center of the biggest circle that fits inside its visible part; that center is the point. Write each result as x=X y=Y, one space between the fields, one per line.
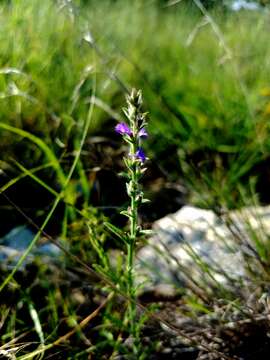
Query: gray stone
x=15 y=243
x=191 y=235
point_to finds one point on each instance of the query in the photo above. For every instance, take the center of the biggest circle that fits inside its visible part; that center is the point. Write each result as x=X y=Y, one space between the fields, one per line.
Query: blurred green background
x=205 y=81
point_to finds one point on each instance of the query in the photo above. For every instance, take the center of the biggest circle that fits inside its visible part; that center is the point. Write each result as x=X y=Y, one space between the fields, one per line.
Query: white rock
x=192 y=232
x=246 y=5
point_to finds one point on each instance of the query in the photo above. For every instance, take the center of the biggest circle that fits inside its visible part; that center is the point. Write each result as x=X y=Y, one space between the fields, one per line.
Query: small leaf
x=124 y=175
x=127 y=162
x=145 y=201
x=129 y=187
x=127 y=139
x=147 y=232
x=116 y=231
x=126 y=213
x=36 y=321
x=126 y=112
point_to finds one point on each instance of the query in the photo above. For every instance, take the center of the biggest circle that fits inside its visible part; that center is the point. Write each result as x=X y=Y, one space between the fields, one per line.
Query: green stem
x=131 y=244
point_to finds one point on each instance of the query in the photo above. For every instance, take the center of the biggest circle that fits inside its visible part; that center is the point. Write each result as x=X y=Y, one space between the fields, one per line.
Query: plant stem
x=132 y=134
x=131 y=244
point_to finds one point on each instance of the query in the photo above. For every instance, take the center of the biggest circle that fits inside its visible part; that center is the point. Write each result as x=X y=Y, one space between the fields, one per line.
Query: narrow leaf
x=116 y=231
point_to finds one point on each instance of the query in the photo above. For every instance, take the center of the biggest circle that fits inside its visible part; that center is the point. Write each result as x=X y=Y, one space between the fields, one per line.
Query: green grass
x=201 y=102
x=206 y=86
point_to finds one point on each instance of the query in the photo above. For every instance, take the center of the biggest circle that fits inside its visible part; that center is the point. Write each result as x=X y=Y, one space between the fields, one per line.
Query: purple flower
x=123 y=129
x=143 y=133
x=140 y=155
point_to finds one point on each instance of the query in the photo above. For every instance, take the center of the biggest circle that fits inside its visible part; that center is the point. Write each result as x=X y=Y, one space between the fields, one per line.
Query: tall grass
x=194 y=90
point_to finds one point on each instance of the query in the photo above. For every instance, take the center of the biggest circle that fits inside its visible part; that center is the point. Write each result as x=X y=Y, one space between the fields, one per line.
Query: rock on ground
x=192 y=240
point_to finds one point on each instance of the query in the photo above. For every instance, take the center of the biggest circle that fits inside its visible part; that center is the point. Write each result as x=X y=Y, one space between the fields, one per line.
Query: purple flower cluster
x=143 y=133
x=123 y=129
x=140 y=155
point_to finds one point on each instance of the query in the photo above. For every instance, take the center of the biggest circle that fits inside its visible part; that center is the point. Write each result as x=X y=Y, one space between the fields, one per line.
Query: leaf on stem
x=116 y=231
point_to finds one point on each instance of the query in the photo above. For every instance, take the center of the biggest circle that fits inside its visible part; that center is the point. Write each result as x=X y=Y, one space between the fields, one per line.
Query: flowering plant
x=133 y=133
